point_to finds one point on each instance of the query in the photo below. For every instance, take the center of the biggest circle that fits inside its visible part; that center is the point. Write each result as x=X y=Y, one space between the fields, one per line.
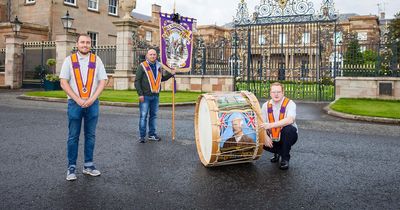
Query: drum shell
x=213 y=160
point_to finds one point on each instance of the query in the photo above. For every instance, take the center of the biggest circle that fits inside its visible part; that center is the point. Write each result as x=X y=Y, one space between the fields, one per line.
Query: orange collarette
x=84 y=89
x=154 y=83
x=276 y=132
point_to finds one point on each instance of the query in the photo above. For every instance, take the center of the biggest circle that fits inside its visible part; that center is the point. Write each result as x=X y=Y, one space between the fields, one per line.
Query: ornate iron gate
x=34 y=63
x=286 y=41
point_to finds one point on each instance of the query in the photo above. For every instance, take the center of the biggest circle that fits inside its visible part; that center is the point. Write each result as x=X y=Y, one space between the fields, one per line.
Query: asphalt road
x=336 y=164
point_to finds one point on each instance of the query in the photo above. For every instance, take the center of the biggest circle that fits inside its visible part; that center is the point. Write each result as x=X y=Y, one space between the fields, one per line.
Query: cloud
x=222 y=11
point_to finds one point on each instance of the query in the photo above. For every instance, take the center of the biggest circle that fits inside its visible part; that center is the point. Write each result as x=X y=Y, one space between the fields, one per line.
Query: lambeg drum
x=226 y=128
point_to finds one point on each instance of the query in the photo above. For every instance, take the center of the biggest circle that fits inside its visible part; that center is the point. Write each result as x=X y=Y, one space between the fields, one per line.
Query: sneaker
x=154 y=138
x=142 y=140
x=71 y=176
x=91 y=170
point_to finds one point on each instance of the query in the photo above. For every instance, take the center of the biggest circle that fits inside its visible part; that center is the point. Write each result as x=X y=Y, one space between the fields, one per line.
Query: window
x=148 y=36
x=338 y=38
x=306 y=38
x=282 y=38
x=362 y=36
x=93 y=5
x=29 y=1
x=113 y=7
x=363 y=48
x=70 y=2
x=304 y=69
x=261 y=39
x=93 y=36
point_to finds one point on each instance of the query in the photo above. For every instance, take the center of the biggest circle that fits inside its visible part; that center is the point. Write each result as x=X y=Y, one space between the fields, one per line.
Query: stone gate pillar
x=64 y=45
x=13 y=61
x=123 y=74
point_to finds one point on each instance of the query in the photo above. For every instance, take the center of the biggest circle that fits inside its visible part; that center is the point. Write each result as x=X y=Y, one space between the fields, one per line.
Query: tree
x=370 y=57
x=353 y=54
x=394 y=36
x=394 y=27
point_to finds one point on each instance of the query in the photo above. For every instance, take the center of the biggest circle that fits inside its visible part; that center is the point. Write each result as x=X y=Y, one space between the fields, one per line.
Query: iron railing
x=107 y=54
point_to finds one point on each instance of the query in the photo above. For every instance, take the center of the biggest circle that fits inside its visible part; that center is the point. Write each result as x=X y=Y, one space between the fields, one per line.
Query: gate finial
x=242 y=14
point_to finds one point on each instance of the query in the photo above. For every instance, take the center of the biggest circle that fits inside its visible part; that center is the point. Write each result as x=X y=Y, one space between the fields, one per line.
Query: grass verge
x=368 y=107
x=128 y=96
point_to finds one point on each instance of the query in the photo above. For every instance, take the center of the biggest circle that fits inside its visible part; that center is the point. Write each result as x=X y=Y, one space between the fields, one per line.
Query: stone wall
x=2 y=79
x=367 y=87
x=206 y=83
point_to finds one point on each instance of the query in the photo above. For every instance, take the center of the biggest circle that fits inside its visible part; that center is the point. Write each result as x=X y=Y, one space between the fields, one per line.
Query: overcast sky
x=222 y=11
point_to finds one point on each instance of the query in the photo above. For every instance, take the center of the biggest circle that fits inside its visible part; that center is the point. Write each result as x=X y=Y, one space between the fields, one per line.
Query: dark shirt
x=142 y=83
x=153 y=67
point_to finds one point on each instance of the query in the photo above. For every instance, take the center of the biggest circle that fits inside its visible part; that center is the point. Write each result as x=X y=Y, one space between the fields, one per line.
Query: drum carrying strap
x=276 y=132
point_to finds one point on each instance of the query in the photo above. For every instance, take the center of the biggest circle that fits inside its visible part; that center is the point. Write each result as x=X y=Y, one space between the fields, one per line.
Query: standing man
x=279 y=115
x=149 y=76
x=83 y=78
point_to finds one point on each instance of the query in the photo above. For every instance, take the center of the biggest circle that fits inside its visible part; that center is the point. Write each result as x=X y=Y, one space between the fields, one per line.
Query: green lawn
x=129 y=96
x=368 y=107
x=301 y=90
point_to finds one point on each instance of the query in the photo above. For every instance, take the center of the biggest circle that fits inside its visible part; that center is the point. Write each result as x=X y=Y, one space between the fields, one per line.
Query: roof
x=141 y=16
x=346 y=16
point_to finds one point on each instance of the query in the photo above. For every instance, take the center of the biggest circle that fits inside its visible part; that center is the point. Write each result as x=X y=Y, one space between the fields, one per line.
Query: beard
x=83 y=53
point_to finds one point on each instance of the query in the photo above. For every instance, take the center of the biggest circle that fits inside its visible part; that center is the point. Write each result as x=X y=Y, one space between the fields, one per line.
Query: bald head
x=151 y=55
x=237 y=126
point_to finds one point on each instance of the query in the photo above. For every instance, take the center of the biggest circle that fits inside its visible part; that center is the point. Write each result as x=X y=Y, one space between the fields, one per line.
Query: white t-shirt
x=276 y=109
x=68 y=73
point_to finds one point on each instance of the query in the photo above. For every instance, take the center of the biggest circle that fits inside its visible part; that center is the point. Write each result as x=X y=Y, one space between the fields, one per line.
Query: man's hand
x=173 y=71
x=141 y=99
x=268 y=142
x=80 y=102
x=88 y=102
x=266 y=126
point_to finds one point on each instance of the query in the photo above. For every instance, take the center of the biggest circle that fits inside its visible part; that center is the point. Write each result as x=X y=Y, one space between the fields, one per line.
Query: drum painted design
x=226 y=128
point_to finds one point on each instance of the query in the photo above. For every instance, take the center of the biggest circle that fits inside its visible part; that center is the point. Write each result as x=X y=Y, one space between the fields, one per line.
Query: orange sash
x=84 y=89
x=276 y=132
x=154 y=83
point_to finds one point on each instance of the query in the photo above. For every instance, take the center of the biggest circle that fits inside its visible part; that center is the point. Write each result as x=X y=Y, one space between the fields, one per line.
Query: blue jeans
x=148 y=106
x=90 y=116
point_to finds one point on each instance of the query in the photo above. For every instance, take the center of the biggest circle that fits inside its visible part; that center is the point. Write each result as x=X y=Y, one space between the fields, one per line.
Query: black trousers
x=288 y=139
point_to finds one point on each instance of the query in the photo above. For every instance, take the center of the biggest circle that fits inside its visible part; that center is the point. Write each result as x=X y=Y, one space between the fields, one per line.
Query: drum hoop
x=213 y=116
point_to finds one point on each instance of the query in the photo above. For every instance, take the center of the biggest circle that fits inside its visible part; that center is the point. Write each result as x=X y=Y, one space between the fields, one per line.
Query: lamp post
x=67 y=21
x=16 y=25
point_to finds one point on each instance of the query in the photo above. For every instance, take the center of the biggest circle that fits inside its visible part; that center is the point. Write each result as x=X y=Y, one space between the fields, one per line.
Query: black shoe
x=275 y=158
x=284 y=164
x=154 y=138
x=142 y=140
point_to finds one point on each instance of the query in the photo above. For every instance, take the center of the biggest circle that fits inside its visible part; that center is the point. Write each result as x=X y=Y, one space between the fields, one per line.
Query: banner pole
x=173 y=110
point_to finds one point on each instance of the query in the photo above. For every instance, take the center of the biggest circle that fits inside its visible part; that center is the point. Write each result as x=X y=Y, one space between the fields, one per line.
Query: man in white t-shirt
x=279 y=115
x=83 y=78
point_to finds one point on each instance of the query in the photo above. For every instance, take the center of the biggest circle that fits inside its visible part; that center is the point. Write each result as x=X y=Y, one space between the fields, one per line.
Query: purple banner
x=176 y=43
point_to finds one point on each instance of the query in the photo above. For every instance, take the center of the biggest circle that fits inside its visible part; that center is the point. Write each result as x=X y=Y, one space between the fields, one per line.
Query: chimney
x=155 y=13
x=155 y=9
x=382 y=15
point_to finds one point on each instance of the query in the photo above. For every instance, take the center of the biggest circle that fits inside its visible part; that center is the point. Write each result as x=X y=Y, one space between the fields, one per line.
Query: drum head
x=205 y=130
